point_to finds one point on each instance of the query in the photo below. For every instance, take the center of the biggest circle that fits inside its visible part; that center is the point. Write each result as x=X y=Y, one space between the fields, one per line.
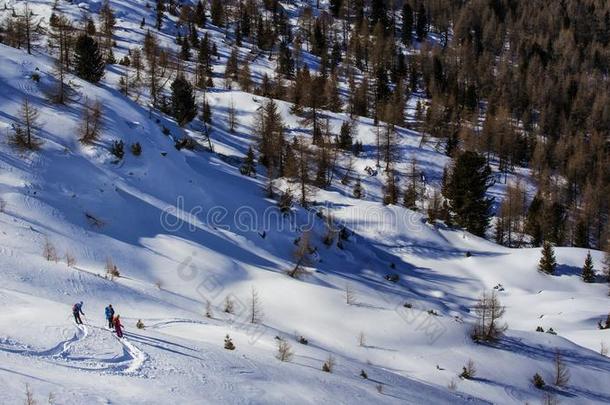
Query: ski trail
x=59 y=350
x=130 y=362
x=138 y=357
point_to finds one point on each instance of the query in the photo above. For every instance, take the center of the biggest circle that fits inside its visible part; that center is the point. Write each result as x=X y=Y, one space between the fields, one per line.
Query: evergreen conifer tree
x=183 y=101
x=89 y=61
x=588 y=274
x=547 y=263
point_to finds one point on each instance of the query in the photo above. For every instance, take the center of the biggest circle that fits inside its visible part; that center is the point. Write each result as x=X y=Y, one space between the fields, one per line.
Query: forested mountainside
x=341 y=201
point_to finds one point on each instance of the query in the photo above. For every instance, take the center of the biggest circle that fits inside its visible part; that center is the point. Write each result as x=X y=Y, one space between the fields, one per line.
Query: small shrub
x=136 y=149
x=158 y=284
x=2 y=205
x=125 y=61
x=303 y=341
x=165 y=130
x=361 y=339
x=70 y=260
x=432 y=312
x=329 y=364
x=36 y=77
x=229 y=305
x=468 y=254
x=452 y=385
x=469 y=370
x=379 y=388
x=49 y=252
x=364 y=375
x=538 y=381
x=551 y=331
x=208 y=309
x=229 y=343
x=408 y=305
x=539 y=329
x=118 y=149
x=140 y=324
x=111 y=269
x=285 y=202
x=603 y=349
x=284 y=351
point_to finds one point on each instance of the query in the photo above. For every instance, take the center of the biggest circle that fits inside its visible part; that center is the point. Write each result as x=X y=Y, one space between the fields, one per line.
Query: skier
x=117 y=326
x=77 y=310
x=109 y=315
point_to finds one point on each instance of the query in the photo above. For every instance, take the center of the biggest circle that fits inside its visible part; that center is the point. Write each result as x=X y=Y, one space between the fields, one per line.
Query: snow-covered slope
x=185 y=227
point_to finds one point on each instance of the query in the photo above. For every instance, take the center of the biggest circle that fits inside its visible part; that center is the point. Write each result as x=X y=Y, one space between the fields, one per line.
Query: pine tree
x=421 y=25
x=183 y=101
x=390 y=190
x=217 y=13
x=407 y=23
x=248 y=168
x=547 y=263
x=159 y=9
x=88 y=59
x=588 y=273
x=465 y=189
x=358 y=191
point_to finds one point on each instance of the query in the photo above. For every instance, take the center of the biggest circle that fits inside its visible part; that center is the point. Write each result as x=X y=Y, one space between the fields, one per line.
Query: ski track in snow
x=129 y=362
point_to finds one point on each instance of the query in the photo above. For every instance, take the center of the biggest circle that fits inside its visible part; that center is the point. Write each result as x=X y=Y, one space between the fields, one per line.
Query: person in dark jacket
x=110 y=316
x=77 y=311
x=117 y=326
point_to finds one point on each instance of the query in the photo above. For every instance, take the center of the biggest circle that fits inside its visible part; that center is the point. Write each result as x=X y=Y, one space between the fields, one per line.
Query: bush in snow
x=112 y=270
x=489 y=311
x=140 y=324
x=551 y=331
x=208 y=309
x=601 y=325
x=329 y=364
x=284 y=351
x=136 y=149
x=285 y=201
x=469 y=370
x=118 y=149
x=49 y=252
x=70 y=259
x=364 y=375
x=302 y=340
x=539 y=329
x=2 y=205
x=538 y=381
x=229 y=343
x=229 y=305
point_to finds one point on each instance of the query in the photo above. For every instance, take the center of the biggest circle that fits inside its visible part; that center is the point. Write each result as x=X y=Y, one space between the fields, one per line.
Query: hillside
x=391 y=294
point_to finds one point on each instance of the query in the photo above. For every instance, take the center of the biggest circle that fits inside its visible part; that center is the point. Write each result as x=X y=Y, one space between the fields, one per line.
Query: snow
x=169 y=225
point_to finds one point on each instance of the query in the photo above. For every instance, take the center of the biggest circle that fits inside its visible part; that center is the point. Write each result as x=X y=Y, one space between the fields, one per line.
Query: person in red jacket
x=117 y=326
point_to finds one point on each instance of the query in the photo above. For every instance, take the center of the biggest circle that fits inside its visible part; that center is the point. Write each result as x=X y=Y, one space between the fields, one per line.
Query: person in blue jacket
x=77 y=310
x=110 y=315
